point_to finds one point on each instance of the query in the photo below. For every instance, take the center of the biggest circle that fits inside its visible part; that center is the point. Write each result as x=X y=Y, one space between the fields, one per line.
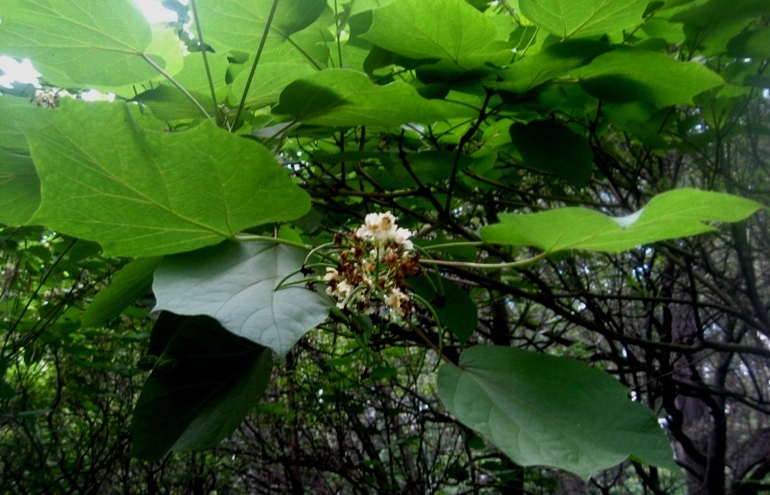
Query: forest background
x=203 y=290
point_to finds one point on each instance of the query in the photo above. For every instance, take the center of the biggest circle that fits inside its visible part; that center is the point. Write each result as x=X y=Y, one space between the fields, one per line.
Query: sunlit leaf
x=235 y=283
x=550 y=411
x=553 y=147
x=200 y=389
x=567 y=18
x=19 y=188
x=677 y=213
x=238 y=24
x=441 y=29
x=78 y=42
x=624 y=75
x=140 y=192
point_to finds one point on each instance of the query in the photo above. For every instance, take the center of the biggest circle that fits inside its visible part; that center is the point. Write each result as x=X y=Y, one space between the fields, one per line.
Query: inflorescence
x=374 y=262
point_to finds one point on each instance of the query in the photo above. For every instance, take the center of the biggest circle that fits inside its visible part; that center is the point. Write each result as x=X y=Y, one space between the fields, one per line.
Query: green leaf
x=15 y=113
x=455 y=309
x=129 y=284
x=627 y=74
x=238 y=25
x=568 y=18
x=200 y=389
x=553 y=147
x=721 y=12
x=77 y=42
x=345 y=98
x=554 y=60
x=140 y=192
x=19 y=188
x=235 y=283
x=441 y=29
x=168 y=103
x=269 y=80
x=750 y=44
x=551 y=411
x=673 y=214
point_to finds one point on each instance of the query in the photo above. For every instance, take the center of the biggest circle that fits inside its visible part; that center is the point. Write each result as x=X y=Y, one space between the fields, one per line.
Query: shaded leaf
x=235 y=283
x=567 y=18
x=129 y=284
x=269 y=80
x=551 y=411
x=751 y=44
x=553 y=147
x=554 y=60
x=342 y=97
x=627 y=74
x=673 y=214
x=140 y=192
x=200 y=389
x=77 y=42
x=454 y=307
x=721 y=12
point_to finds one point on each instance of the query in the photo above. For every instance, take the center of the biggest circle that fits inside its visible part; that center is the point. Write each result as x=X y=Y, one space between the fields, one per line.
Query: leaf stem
x=176 y=83
x=194 y=9
x=490 y=266
x=258 y=55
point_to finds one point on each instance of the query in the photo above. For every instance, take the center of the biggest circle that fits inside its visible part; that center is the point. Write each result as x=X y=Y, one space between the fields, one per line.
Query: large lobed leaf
x=551 y=411
x=440 y=29
x=200 y=389
x=342 y=97
x=141 y=192
x=83 y=42
x=627 y=74
x=235 y=283
x=673 y=214
x=19 y=188
x=569 y=18
x=238 y=24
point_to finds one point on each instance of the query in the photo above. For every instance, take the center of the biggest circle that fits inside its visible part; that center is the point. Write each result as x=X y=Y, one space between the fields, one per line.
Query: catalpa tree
x=395 y=170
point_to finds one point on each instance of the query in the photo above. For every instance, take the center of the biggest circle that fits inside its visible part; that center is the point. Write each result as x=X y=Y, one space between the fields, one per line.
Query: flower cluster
x=373 y=263
x=45 y=99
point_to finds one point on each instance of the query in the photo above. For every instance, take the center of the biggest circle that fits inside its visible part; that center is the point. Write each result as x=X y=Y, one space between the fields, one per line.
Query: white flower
x=395 y=298
x=331 y=274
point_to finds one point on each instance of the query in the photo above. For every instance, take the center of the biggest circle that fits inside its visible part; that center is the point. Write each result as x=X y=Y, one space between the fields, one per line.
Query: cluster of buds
x=373 y=263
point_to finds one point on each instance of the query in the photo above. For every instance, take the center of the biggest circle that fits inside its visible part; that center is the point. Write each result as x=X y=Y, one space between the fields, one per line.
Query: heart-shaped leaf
x=235 y=283
x=546 y=410
x=201 y=388
x=677 y=213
